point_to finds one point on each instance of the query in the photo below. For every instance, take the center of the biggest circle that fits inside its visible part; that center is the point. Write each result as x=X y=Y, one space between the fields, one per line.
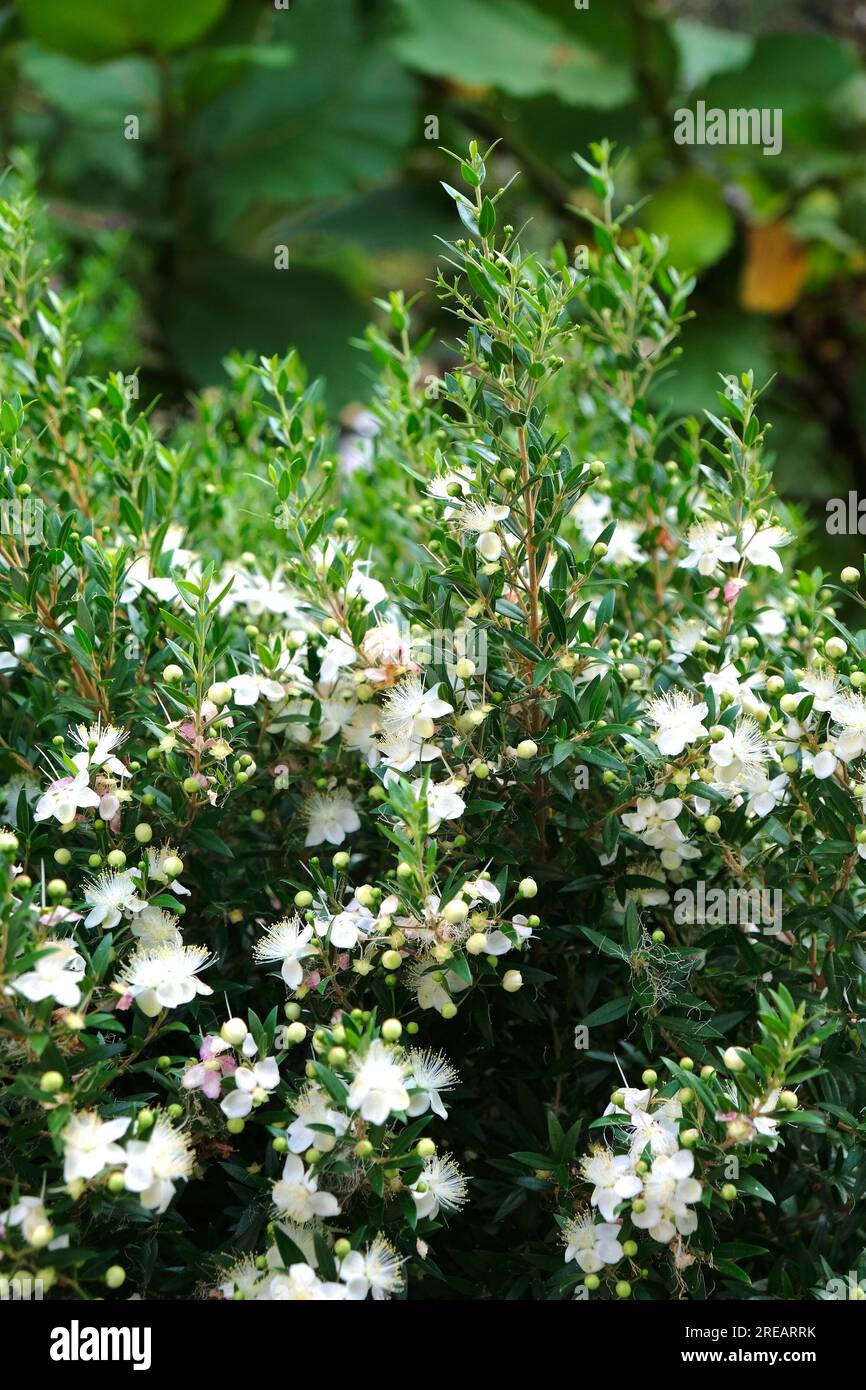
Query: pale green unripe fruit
x=477 y=943
x=233 y=1031
x=448 y=1010
x=143 y=833
x=220 y=693
x=712 y=825
x=191 y=785
x=481 y=771
x=235 y=1126
x=50 y=1081
x=56 y=887
x=172 y=672
x=527 y=888
x=363 y=1148
x=303 y=898
x=116 y=859
x=330 y=626
x=789 y=1101
x=292 y=1011
x=392 y=960
x=789 y=763
x=729 y=1192
x=623 y=1288
x=858 y=679
x=649 y=1077
x=512 y=981
x=592 y=1282
x=116 y=1183
x=115 y=1275
x=732 y=1059
x=62 y=856
x=526 y=748
x=258 y=816
x=41 y=1235
x=596 y=468
x=342 y=1248
x=599 y=550
x=296 y=1032
x=391 y=1029
x=425 y=1148
x=340 y=860
x=629 y=1248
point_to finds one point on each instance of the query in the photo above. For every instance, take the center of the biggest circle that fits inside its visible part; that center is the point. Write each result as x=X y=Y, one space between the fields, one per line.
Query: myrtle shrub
x=434 y=849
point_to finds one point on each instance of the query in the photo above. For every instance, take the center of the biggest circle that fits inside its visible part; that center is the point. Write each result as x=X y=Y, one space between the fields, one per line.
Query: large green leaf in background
x=103 y=28
x=692 y=213
x=336 y=122
x=791 y=71
x=508 y=45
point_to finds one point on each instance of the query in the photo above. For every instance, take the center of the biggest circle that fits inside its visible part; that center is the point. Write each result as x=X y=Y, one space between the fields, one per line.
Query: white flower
x=440 y=1186
x=764 y=794
x=823 y=764
x=90 y=1144
x=678 y=720
x=155 y=1164
x=429 y=1074
x=287 y=941
x=742 y=752
x=110 y=896
x=253 y=1085
x=153 y=926
x=377 y=1270
x=29 y=1213
x=98 y=742
x=378 y=1087
x=849 y=716
x=482 y=519
x=444 y=802
x=761 y=548
x=314 y=1107
x=622 y=548
x=823 y=683
x=684 y=637
x=591 y=1246
x=66 y=795
x=301 y=1284
x=709 y=547
x=165 y=976
x=410 y=710
x=330 y=816
x=56 y=975
x=613 y=1179
x=248 y=688
x=297 y=1197
x=669 y=1192
x=337 y=655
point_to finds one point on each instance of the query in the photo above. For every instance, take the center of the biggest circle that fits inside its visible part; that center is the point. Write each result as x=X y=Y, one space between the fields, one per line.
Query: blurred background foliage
x=317 y=125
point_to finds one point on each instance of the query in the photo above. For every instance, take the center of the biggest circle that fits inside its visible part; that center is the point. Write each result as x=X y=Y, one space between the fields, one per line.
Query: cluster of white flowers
x=151 y=1166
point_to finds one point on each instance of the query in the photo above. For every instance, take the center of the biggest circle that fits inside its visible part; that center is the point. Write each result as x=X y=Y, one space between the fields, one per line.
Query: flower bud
x=115 y=1275
x=425 y=1148
x=233 y=1031
x=455 y=911
x=732 y=1059
x=512 y=981
x=391 y=1029
x=172 y=672
x=527 y=888
x=526 y=748
x=477 y=943
x=50 y=1082
x=173 y=866
x=220 y=693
